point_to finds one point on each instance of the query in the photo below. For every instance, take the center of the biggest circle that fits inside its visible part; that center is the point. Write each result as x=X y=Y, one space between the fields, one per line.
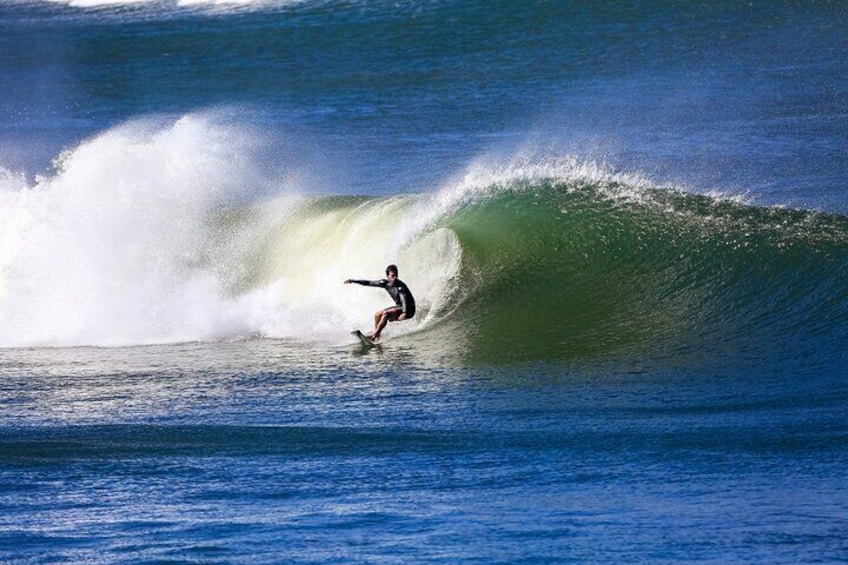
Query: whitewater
x=164 y=231
x=152 y=234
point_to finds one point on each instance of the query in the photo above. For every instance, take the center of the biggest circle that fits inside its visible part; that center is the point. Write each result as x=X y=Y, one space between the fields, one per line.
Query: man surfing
x=404 y=307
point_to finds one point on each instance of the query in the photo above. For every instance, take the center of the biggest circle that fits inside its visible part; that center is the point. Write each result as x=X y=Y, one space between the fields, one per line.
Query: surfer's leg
x=385 y=316
x=381 y=323
x=378 y=324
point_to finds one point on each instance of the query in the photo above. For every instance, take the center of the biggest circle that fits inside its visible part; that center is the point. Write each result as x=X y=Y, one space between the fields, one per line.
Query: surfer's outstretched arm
x=380 y=283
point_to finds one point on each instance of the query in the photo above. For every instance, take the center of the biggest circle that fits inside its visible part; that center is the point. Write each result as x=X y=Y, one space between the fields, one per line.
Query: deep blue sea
x=625 y=225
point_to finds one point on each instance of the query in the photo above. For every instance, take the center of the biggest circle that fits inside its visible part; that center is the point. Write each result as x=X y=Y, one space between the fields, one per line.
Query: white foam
x=106 y=250
x=163 y=231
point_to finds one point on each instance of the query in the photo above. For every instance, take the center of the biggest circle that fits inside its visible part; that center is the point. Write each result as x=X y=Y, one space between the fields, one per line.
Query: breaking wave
x=153 y=233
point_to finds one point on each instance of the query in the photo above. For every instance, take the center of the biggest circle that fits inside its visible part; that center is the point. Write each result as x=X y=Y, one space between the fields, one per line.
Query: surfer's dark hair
x=391 y=269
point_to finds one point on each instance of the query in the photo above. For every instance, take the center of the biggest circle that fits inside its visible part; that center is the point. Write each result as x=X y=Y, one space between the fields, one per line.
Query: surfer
x=404 y=307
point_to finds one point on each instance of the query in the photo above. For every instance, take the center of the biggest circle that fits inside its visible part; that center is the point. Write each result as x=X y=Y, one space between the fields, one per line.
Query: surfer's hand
x=347 y=281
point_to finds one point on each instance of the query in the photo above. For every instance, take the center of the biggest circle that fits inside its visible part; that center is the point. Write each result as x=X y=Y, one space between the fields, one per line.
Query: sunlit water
x=623 y=223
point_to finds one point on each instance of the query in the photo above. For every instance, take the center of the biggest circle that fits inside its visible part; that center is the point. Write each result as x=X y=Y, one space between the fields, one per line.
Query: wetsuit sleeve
x=380 y=283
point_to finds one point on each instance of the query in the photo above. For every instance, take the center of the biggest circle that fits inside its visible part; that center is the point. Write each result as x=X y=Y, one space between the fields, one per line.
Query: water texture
x=624 y=225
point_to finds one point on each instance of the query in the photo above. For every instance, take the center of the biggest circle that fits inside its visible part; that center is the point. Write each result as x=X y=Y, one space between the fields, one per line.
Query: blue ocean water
x=624 y=224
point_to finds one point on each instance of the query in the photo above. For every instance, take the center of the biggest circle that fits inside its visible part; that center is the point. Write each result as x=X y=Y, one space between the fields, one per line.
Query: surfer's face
x=391 y=276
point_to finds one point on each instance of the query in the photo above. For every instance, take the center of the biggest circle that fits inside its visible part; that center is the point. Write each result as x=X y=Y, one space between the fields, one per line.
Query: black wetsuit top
x=399 y=292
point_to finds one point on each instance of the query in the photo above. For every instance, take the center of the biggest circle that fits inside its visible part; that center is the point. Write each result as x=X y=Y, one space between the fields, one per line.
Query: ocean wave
x=577 y=267
x=161 y=231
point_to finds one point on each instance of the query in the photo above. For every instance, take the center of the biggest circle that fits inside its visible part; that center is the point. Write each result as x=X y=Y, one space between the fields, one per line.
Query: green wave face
x=569 y=270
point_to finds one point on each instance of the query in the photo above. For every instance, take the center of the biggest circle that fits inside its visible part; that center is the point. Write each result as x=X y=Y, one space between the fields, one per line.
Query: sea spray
x=108 y=249
x=163 y=231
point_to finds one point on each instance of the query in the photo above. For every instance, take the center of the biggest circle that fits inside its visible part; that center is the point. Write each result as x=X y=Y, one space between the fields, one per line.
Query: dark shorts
x=395 y=313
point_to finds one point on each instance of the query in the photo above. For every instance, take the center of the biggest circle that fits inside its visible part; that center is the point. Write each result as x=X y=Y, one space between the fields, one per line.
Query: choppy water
x=624 y=226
